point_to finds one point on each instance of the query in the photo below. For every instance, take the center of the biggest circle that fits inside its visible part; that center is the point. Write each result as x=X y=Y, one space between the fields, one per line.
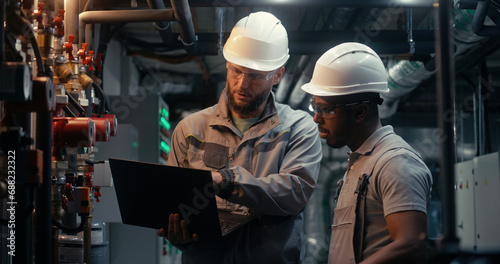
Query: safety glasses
x=327 y=111
x=252 y=77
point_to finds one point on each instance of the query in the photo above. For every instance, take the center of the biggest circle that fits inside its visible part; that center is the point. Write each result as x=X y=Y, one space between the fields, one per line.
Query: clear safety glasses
x=328 y=111
x=252 y=77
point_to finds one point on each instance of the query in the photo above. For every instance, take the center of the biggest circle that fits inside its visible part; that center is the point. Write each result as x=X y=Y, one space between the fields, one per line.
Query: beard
x=246 y=108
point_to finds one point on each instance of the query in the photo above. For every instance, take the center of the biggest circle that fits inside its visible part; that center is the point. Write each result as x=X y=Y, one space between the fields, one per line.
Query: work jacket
x=270 y=171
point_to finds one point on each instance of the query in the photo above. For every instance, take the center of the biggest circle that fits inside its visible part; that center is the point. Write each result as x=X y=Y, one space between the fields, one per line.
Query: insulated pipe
x=185 y=20
x=96 y=17
x=404 y=76
x=162 y=26
x=72 y=8
x=483 y=9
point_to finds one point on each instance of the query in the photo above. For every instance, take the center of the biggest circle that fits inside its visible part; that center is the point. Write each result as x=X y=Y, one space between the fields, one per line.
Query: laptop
x=148 y=193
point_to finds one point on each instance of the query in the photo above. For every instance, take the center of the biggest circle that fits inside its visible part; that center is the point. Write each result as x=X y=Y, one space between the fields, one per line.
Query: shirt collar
x=373 y=140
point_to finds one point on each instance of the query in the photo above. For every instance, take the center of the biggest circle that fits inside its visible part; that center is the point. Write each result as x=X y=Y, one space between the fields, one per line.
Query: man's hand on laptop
x=178 y=232
x=217 y=180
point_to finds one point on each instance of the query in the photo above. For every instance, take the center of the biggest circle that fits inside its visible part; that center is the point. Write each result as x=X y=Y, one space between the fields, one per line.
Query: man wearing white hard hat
x=382 y=200
x=264 y=156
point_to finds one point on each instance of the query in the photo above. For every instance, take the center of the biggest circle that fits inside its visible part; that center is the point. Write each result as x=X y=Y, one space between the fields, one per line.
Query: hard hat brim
x=321 y=90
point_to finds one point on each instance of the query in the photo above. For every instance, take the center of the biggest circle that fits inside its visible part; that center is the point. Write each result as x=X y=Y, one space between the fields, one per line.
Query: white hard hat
x=258 y=41
x=348 y=68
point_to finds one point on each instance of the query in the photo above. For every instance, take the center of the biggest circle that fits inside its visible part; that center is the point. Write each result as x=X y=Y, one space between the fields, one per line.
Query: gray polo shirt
x=400 y=181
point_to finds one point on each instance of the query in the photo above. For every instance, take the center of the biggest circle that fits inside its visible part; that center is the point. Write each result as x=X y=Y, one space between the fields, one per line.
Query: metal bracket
x=409 y=29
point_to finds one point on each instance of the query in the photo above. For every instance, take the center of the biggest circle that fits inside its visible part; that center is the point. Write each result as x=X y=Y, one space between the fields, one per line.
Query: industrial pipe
x=113 y=122
x=184 y=18
x=73 y=131
x=483 y=9
x=71 y=19
x=163 y=27
x=102 y=129
x=445 y=92
x=113 y=16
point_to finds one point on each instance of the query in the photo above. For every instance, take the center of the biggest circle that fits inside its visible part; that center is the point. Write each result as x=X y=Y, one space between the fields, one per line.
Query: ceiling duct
x=404 y=76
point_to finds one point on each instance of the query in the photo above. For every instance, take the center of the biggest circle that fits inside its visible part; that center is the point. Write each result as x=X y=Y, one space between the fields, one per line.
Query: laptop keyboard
x=227 y=225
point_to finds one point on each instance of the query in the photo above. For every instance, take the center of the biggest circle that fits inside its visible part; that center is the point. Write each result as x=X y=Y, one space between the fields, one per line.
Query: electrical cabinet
x=149 y=116
x=464 y=197
x=487 y=202
x=477 y=203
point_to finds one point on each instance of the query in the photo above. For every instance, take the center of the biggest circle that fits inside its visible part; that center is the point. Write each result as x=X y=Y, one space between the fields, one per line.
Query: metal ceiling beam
x=273 y=3
x=317 y=42
x=312 y=3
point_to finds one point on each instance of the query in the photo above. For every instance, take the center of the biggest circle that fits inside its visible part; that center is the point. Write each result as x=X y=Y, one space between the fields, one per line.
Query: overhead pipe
x=163 y=27
x=184 y=18
x=483 y=9
x=123 y=16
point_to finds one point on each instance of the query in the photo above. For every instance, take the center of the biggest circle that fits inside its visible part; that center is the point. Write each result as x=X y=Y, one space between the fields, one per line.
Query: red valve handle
x=90 y=60
x=88 y=179
x=38 y=15
x=65 y=203
x=98 y=62
x=69 y=191
x=59 y=25
x=69 y=47
x=97 y=193
x=81 y=53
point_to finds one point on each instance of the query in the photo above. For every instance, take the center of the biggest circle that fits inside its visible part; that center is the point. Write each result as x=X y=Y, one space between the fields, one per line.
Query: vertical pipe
x=72 y=8
x=2 y=19
x=185 y=20
x=480 y=114
x=43 y=194
x=55 y=242
x=163 y=26
x=446 y=94
x=87 y=240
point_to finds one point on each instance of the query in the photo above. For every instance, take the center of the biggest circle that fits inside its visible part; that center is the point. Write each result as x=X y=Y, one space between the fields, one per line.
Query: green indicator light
x=164 y=123
x=164 y=112
x=164 y=146
x=135 y=144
